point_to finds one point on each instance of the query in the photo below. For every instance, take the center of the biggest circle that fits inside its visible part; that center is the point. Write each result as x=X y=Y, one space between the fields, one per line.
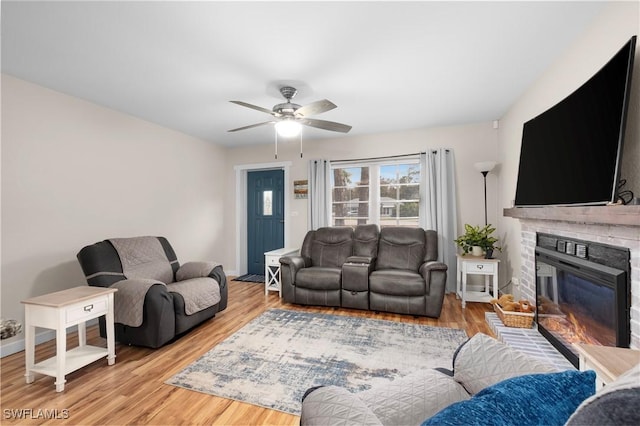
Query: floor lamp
x=485 y=167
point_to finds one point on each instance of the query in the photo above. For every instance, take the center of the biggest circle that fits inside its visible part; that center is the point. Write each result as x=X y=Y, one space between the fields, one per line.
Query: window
x=350 y=195
x=267 y=204
x=399 y=194
x=386 y=192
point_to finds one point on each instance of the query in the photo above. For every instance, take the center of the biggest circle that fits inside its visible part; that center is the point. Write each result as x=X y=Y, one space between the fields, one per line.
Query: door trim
x=241 y=207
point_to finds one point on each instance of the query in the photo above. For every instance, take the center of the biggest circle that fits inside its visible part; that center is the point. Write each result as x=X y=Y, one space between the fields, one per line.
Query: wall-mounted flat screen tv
x=571 y=153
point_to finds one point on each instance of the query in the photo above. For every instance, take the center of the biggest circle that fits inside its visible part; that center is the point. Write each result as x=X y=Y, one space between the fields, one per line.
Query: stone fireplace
x=617 y=226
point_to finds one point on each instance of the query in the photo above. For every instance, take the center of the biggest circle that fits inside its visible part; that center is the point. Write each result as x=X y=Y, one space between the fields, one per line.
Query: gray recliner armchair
x=407 y=278
x=157 y=298
x=315 y=277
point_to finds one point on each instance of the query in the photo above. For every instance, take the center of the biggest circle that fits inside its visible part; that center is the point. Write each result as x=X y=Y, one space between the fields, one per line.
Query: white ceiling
x=388 y=66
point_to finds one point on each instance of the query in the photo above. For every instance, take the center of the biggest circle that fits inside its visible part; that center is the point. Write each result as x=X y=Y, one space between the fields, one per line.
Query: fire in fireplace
x=582 y=293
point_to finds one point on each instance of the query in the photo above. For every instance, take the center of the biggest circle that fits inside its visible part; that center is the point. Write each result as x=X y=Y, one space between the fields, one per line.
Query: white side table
x=61 y=310
x=479 y=266
x=272 y=268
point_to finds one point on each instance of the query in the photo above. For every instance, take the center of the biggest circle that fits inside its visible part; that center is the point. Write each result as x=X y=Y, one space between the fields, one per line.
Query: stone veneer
x=624 y=235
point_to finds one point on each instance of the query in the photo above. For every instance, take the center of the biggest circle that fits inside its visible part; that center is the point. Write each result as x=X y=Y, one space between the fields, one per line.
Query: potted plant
x=478 y=240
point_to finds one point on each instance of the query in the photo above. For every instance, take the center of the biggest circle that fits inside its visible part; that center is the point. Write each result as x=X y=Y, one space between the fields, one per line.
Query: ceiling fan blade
x=257 y=108
x=326 y=125
x=315 y=108
x=251 y=126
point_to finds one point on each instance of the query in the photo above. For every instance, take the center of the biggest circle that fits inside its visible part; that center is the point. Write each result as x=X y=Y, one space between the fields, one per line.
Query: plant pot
x=476 y=251
x=488 y=253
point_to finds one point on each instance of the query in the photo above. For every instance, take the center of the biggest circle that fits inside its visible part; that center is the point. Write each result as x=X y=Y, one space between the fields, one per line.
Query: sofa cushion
x=143 y=257
x=483 y=361
x=535 y=399
x=401 y=248
x=366 y=240
x=615 y=404
x=198 y=293
x=410 y=399
x=331 y=246
x=319 y=278
x=397 y=282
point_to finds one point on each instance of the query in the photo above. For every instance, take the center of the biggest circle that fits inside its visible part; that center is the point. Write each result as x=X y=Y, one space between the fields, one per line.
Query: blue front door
x=265 y=216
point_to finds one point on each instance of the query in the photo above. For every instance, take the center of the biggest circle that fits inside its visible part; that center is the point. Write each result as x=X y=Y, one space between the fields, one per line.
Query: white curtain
x=319 y=194
x=438 y=208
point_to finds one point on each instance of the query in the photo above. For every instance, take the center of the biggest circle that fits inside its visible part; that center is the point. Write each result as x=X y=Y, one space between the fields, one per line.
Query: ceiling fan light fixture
x=288 y=128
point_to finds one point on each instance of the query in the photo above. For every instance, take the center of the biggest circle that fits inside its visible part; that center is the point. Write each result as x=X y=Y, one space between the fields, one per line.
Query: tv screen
x=570 y=154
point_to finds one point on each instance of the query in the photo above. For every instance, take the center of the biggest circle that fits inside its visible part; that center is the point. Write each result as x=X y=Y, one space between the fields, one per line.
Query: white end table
x=477 y=265
x=272 y=268
x=58 y=311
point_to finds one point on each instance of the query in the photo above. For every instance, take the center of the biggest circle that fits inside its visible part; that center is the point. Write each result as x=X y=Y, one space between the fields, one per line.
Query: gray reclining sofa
x=157 y=298
x=392 y=270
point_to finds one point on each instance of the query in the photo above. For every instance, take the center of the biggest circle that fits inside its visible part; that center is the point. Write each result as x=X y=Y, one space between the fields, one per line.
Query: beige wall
x=470 y=143
x=74 y=173
x=585 y=57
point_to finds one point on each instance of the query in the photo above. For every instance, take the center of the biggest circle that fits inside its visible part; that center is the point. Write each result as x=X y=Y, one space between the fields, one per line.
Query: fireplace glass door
x=579 y=303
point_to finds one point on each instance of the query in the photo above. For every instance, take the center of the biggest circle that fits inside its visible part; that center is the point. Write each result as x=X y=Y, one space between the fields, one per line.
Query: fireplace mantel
x=602 y=215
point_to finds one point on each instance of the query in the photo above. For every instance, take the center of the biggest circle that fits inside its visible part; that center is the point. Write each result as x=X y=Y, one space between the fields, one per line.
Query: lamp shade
x=288 y=128
x=485 y=166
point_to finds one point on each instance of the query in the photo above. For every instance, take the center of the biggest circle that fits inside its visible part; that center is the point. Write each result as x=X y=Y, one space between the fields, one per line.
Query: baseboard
x=44 y=336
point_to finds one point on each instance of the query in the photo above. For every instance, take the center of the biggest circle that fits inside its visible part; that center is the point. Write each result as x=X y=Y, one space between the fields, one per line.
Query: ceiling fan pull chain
x=275 y=132
x=300 y=143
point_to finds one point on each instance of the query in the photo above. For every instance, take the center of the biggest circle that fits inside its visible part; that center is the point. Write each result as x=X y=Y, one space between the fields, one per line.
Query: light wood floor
x=133 y=391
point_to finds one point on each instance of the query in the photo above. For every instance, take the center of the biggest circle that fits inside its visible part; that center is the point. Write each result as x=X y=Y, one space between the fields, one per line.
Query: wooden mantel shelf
x=602 y=215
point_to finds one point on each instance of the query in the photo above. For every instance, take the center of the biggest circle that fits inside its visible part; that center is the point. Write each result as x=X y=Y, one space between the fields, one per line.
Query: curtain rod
x=383 y=158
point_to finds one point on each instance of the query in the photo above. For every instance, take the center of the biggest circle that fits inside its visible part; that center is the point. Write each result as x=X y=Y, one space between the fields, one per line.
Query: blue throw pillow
x=534 y=399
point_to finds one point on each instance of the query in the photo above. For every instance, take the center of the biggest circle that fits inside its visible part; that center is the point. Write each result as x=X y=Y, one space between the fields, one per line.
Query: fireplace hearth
x=582 y=293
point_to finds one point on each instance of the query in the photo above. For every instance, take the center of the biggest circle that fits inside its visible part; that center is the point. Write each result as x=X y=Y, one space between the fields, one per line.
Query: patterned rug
x=271 y=361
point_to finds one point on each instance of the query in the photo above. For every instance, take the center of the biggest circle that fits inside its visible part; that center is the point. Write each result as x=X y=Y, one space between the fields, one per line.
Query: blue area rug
x=272 y=360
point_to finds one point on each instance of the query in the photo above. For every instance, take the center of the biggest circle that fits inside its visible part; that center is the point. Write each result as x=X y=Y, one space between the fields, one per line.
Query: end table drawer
x=88 y=310
x=480 y=267
x=273 y=260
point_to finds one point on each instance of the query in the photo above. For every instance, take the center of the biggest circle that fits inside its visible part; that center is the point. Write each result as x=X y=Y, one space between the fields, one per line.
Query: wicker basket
x=514 y=319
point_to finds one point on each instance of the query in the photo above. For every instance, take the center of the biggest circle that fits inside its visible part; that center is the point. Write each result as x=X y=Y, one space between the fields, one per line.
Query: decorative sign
x=301 y=188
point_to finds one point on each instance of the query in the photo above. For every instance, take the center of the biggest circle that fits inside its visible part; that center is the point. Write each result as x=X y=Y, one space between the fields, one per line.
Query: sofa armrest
x=355 y=275
x=432 y=266
x=191 y=270
x=289 y=267
x=483 y=361
x=218 y=274
x=330 y=405
x=361 y=259
x=435 y=276
x=294 y=263
x=130 y=299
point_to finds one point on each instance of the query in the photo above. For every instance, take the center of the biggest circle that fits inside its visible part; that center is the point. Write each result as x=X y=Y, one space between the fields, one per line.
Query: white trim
x=241 y=207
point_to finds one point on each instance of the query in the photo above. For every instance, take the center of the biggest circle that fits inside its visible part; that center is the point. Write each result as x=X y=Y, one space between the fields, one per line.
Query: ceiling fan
x=288 y=117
